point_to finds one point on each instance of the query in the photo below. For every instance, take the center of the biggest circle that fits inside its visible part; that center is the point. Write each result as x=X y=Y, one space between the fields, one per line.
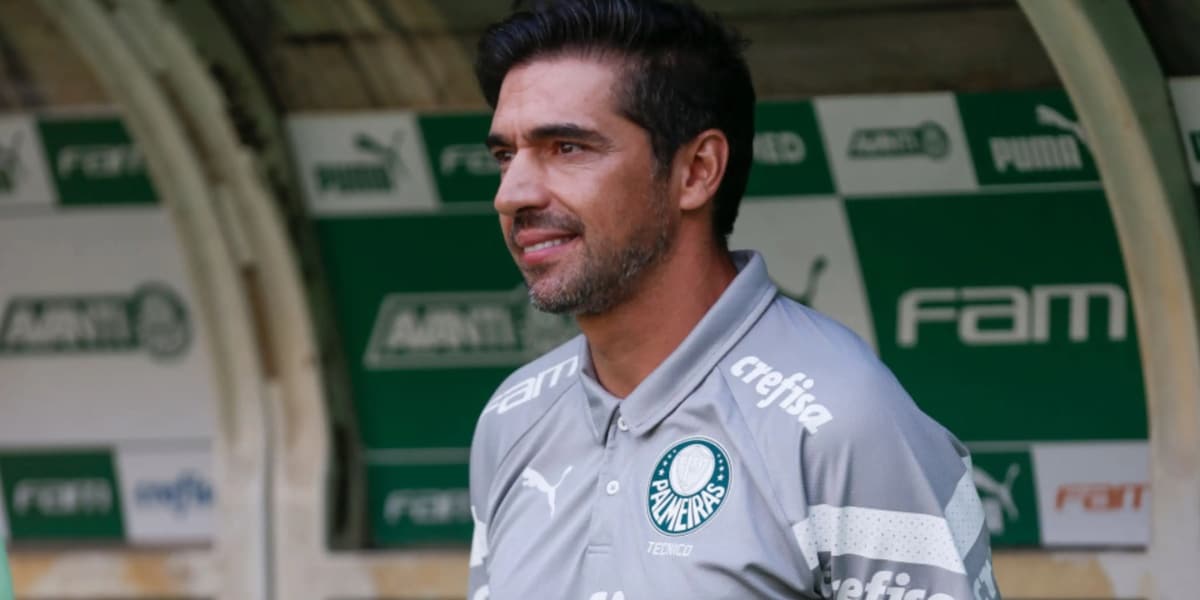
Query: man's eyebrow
x=496 y=140
x=569 y=131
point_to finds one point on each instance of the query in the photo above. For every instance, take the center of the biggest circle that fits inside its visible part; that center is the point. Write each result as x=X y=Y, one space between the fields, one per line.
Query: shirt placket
x=600 y=561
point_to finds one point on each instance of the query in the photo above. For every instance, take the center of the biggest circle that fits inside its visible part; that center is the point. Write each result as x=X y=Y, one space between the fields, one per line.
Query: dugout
x=236 y=169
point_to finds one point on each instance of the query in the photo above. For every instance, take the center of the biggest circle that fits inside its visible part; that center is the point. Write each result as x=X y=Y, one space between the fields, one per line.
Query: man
x=705 y=437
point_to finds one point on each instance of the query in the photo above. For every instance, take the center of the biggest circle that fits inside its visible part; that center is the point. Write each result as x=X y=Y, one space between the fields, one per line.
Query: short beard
x=610 y=276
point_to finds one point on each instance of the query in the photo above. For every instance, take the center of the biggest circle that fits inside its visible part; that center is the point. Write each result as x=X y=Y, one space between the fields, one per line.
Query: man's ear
x=701 y=163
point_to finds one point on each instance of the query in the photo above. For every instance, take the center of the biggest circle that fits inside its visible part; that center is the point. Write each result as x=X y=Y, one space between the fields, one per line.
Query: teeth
x=544 y=245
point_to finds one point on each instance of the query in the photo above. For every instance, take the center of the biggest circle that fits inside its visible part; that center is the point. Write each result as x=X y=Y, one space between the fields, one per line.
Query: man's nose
x=522 y=186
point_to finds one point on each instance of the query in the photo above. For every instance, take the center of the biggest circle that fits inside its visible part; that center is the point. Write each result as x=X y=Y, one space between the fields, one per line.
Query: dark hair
x=684 y=73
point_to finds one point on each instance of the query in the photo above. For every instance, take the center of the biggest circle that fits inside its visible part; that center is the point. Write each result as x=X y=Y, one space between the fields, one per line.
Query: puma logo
x=1049 y=117
x=533 y=479
x=997 y=497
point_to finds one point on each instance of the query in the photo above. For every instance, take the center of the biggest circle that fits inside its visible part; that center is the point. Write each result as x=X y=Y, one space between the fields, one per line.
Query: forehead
x=560 y=89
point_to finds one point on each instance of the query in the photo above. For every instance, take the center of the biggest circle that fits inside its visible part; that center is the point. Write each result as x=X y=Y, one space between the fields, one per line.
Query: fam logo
x=1014 y=316
x=1102 y=497
x=100 y=161
x=1041 y=152
x=926 y=139
x=462 y=329
x=688 y=486
x=376 y=172
x=473 y=159
x=63 y=497
x=427 y=507
x=10 y=163
x=153 y=318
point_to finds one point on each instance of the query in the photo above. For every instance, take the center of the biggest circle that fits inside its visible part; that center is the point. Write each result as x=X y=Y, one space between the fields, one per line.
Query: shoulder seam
x=741 y=411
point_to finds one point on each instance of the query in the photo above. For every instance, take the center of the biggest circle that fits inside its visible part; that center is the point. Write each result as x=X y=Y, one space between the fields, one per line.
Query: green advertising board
x=966 y=237
x=1026 y=137
x=1014 y=305
x=61 y=495
x=433 y=317
x=94 y=161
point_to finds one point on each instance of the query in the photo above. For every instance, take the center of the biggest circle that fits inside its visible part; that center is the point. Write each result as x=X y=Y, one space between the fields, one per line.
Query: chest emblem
x=688 y=485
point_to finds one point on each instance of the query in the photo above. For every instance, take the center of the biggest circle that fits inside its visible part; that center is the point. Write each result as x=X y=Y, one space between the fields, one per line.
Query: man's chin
x=547 y=296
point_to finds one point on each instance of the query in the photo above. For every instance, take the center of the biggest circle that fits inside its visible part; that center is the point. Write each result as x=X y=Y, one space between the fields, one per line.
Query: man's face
x=581 y=208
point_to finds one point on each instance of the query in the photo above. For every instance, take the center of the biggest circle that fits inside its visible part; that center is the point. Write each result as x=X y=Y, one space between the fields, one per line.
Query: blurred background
x=253 y=296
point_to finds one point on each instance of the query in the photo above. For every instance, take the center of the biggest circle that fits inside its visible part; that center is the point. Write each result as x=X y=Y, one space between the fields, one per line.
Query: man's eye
x=569 y=147
x=502 y=156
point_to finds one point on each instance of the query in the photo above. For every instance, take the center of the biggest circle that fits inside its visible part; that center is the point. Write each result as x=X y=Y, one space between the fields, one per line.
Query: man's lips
x=546 y=244
x=533 y=240
x=540 y=245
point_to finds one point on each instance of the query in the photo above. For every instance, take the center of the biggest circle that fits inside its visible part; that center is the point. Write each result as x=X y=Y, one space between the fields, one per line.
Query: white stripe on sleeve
x=877 y=534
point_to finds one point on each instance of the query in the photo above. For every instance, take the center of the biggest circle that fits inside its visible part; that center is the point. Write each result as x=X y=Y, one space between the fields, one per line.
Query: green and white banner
x=156 y=495
x=965 y=236
x=104 y=372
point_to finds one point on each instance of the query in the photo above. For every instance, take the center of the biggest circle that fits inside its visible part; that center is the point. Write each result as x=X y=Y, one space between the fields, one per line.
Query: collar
x=684 y=370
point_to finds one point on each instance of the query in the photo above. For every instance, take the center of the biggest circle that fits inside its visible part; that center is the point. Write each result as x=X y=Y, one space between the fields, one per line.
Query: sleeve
x=480 y=484
x=893 y=513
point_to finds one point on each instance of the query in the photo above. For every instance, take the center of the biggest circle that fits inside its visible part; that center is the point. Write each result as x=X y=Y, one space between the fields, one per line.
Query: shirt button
x=613 y=487
x=621 y=424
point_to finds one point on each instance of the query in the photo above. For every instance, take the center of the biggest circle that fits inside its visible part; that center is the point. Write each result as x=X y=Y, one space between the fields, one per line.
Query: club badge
x=688 y=485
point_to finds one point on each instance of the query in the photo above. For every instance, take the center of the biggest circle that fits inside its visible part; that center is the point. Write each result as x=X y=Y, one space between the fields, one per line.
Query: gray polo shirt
x=770 y=456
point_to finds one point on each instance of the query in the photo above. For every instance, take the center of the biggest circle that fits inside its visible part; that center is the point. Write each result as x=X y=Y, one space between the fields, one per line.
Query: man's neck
x=628 y=342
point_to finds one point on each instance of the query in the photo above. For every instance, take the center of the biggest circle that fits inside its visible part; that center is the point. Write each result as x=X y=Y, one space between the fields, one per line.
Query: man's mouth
x=547 y=244
x=538 y=238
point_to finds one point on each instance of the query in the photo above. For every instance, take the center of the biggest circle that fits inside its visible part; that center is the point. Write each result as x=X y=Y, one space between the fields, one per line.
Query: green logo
x=926 y=139
x=376 y=173
x=688 y=486
x=1195 y=136
x=1006 y=489
x=462 y=329
x=153 y=318
x=10 y=163
x=61 y=495
x=94 y=161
